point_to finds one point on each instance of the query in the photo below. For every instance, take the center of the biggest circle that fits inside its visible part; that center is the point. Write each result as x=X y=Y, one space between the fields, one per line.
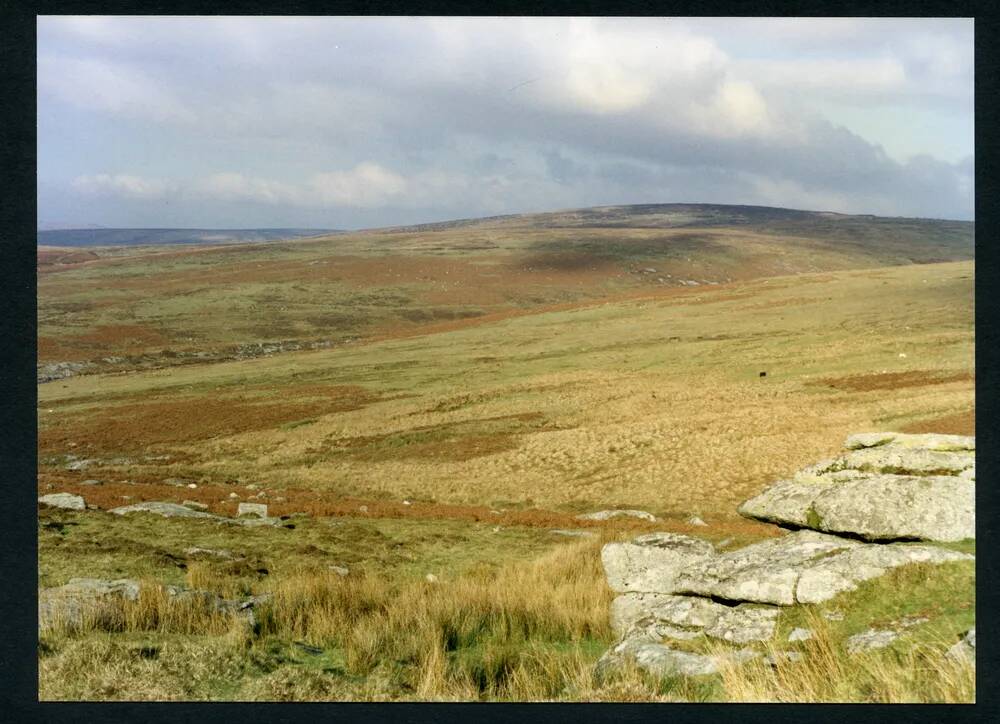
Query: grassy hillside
x=155 y=307
x=655 y=401
x=129 y=237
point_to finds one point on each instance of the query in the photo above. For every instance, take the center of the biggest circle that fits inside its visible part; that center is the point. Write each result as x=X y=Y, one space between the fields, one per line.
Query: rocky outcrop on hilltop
x=854 y=518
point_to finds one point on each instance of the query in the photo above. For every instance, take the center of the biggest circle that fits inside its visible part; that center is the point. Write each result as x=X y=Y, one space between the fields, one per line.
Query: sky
x=348 y=123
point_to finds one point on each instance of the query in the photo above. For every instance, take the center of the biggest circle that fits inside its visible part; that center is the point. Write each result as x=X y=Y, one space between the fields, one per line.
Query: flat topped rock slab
x=765 y=572
x=257 y=509
x=71 y=602
x=173 y=510
x=609 y=514
x=886 y=507
x=825 y=578
x=903 y=461
x=68 y=501
x=874 y=507
x=931 y=441
x=801 y=567
x=95 y=588
x=651 y=562
x=167 y=510
x=80 y=597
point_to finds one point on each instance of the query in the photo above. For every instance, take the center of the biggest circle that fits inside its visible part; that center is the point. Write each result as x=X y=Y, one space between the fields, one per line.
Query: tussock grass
x=826 y=674
x=523 y=631
x=480 y=632
x=518 y=632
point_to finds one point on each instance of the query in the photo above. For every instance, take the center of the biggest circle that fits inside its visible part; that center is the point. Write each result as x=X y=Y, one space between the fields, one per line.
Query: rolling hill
x=126 y=307
x=131 y=237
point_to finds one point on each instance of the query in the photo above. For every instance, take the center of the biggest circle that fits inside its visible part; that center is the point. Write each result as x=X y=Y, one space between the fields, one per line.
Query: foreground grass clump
x=930 y=606
x=481 y=634
x=525 y=630
x=914 y=674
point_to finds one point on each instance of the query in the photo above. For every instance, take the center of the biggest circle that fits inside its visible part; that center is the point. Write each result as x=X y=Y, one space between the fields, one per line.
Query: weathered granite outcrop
x=929 y=441
x=650 y=562
x=966 y=648
x=800 y=567
x=875 y=507
x=686 y=617
x=853 y=515
x=887 y=487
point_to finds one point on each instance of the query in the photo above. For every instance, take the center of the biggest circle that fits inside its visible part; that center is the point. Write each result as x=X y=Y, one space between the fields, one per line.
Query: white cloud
x=228 y=186
x=366 y=185
x=837 y=75
x=123 y=185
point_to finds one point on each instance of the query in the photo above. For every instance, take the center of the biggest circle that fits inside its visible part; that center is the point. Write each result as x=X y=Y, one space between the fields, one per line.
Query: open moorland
x=423 y=407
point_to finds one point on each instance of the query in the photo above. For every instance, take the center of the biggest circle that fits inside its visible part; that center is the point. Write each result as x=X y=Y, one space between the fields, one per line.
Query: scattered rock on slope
x=800 y=634
x=84 y=598
x=257 y=509
x=167 y=510
x=173 y=510
x=966 y=648
x=63 y=500
x=215 y=553
x=608 y=514
x=870 y=640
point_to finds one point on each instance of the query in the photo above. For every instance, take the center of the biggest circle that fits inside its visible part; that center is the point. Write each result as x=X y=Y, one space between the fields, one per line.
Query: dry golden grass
x=825 y=674
x=488 y=634
x=648 y=403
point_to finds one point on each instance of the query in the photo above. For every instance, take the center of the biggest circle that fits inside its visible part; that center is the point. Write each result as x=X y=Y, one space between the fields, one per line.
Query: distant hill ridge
x=135 y=237
x=673 y=215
